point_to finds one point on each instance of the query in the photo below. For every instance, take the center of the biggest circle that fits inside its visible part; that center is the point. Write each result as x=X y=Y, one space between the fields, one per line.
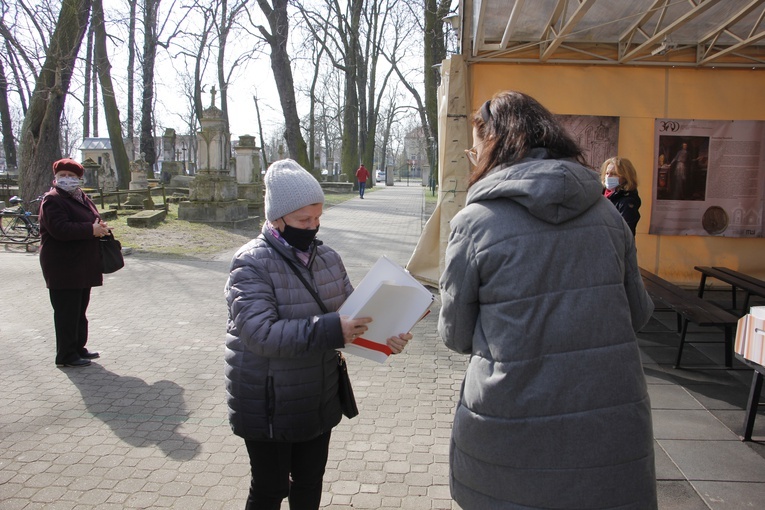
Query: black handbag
x=344 y=389
x=111 y=254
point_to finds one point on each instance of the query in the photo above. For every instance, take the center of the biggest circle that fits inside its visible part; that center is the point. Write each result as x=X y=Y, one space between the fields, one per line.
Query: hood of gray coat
x=553 y=190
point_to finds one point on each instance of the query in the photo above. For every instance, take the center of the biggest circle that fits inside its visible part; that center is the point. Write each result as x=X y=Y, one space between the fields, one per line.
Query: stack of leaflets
x=393 y=299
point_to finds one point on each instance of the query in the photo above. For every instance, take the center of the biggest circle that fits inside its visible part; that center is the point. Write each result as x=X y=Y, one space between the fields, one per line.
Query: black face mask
x=300 y=238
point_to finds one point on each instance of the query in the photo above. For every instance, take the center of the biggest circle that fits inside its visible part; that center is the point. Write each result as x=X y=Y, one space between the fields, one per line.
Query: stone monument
x=170 y=164
x=90 y=176
x=139 y=181
x=248 y=176
x=107 y=180
x=213 y=194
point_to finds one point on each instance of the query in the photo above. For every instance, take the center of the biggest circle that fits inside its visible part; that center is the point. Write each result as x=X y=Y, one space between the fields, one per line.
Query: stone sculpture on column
x=213 y=194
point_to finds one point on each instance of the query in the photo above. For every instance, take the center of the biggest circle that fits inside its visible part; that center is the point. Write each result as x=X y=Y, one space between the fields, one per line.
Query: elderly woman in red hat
x=70 y=227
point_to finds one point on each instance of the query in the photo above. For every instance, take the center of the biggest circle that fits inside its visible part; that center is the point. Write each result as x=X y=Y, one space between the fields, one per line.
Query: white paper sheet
x=394 y=300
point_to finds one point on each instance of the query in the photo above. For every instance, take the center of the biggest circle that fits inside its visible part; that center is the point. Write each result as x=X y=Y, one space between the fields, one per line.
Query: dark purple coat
x=69 y=253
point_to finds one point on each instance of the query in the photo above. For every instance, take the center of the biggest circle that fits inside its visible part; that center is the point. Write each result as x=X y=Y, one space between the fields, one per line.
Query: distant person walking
x=70 y=257
x=541 y=288
x=362 y=174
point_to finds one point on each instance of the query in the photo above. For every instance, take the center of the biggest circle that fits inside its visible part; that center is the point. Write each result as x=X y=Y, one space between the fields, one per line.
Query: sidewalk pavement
x=145 y=425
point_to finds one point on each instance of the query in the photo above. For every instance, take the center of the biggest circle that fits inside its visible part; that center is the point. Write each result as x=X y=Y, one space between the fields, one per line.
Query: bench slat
x=744 y=281
x=685 y=302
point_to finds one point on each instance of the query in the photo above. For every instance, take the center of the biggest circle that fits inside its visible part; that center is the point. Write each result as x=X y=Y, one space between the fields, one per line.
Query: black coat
x=69 y=252
x=628 y=205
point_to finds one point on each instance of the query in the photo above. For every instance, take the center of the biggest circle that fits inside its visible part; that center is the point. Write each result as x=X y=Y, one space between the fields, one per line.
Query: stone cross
x=212 y=92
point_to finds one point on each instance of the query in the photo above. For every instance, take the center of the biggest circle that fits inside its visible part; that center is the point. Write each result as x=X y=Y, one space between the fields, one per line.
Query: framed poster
x=597 y=136
x=708 y=178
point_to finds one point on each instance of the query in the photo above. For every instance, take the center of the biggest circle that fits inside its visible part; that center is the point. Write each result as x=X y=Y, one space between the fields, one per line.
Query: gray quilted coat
x=541 y=287
x=281 y=364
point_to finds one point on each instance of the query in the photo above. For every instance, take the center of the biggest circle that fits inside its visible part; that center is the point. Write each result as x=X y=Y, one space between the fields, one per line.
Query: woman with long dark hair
x=541 y=288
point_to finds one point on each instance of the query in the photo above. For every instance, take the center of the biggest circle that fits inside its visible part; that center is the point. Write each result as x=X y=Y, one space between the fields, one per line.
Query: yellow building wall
x=638 y=95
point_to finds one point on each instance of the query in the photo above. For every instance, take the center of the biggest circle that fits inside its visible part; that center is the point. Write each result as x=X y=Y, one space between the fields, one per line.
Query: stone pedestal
x=248 y=176
x=253 y=194
x=230 y=213
x=181 y=181
x=213 y=194
x=138 y=181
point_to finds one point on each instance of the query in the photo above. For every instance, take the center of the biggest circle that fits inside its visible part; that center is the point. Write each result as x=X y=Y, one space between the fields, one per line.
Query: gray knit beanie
x=289 y=187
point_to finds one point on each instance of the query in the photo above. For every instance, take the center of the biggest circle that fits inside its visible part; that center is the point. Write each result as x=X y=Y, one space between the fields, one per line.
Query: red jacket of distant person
x=362 y=174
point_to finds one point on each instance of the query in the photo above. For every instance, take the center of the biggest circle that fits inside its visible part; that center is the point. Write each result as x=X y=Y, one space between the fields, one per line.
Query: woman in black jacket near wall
x=619 y=179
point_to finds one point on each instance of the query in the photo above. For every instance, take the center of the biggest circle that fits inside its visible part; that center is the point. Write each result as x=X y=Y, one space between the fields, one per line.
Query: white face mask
x=612 y=182
x=68 y=184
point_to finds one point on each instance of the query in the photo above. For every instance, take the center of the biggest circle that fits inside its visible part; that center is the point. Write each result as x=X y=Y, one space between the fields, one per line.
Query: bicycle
x=17 y=224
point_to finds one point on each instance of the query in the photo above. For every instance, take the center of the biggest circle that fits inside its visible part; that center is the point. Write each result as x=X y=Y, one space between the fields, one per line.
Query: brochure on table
x=394 y=300
x=750 y=335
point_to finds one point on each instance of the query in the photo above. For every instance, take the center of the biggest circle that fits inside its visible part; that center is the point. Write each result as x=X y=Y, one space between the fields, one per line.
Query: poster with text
x=709 y=177
x=597 y=136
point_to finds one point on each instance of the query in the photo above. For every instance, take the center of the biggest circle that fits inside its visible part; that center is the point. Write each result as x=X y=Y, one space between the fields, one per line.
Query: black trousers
x=71 y=324
x=291 y=470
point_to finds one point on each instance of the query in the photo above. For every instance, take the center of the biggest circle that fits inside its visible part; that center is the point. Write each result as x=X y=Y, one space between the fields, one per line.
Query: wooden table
x=749 y=284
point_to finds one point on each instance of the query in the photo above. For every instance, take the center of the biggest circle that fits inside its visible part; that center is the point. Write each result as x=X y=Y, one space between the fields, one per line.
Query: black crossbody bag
x=344 y=389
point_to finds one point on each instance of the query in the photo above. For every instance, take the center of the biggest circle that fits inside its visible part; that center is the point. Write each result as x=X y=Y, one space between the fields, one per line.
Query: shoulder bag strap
x=299 y=275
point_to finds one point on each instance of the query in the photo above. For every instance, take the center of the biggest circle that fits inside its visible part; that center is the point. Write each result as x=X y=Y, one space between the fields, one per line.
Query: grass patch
x=179 y=238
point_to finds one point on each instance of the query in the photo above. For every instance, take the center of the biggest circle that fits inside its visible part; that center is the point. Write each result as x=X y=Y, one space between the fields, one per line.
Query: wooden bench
x=690 y=308
x=749 y=284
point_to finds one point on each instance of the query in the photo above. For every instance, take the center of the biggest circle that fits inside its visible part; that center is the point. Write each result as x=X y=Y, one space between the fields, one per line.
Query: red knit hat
x=68 y=164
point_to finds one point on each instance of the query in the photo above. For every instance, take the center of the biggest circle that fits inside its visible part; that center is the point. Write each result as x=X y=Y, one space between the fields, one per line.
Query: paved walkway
x=145 y=426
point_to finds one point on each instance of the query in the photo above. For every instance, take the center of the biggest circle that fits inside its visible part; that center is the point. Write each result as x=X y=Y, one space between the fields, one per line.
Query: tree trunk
x=435 y=53
x=131 y=83
x=260 y=132
x=41 y=129
x=111 y=111
x=349 y=158
x=280 y=64
x=94 y=98
x=148 y=149
x=86 y=92
x=9 y=144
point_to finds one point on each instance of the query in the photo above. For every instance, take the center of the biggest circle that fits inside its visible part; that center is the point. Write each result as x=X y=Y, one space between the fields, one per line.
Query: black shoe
x=86 y=354
x=79 y=362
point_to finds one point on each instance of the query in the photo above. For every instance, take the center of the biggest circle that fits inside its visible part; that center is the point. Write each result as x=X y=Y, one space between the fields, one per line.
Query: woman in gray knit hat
x=281 y=358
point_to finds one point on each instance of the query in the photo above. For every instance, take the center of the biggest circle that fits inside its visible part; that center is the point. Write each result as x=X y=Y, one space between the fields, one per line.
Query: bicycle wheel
x=14 y=229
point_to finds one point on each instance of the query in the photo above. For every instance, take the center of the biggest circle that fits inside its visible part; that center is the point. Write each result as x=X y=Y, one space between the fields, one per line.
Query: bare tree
x=9 y=143
x=225 y=25
x=276 y=38
x=86 y=91
x=152 y=30
x=147 y=148
x=111 y=111
x=40 y=131
x=130 y=128
x=434 y=45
